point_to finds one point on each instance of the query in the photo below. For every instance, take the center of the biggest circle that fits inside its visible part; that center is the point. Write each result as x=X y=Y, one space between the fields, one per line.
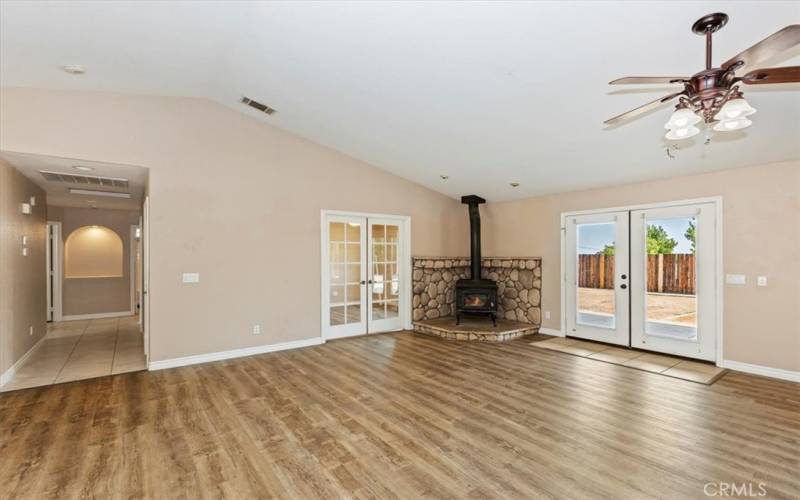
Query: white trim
x=57 y=273
x=116 y=314
x=764 y=371
x=8 y=375
x=235 y=353
x=552 y=331
x=132 y=262
x=644 y=206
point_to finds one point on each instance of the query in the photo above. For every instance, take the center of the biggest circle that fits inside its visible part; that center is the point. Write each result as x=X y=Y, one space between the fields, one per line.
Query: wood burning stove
x=475 y=295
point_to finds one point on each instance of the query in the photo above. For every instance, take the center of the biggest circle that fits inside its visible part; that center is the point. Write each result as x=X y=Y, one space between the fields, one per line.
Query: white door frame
x=57 y=303
x=716 y=200
x=132 y=261
x=405 y=298
x=146 y=277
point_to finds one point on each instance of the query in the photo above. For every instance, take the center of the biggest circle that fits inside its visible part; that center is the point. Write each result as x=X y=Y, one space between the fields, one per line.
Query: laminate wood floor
x=400 y=416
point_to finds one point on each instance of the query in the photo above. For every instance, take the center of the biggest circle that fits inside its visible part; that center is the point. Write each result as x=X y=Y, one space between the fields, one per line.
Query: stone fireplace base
x=475 y=329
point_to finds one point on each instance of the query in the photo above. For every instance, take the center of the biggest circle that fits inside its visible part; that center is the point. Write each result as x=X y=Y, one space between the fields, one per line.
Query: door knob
x=363 y=282
x=624 y=276
x=623 y=286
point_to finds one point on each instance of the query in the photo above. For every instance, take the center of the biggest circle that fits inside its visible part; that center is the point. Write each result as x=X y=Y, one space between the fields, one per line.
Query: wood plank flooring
x=400 y=416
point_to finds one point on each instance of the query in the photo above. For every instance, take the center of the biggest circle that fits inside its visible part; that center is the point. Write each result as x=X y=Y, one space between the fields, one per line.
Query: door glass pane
x=392 y=308
x=337 y=295
x=378 y=310
x=353 y=273
x=671 y=296
x=378 y=233
x=337 y=315
x=353 y=232
x=353 y=313
x=353 y=253
x=337 y=252
x=391 y=234
x=337 y=231
x=353 y=293
x=337 y=274
x=595 y=274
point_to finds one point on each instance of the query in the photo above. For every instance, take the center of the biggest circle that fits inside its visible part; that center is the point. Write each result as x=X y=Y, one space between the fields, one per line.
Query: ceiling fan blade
x=642 y=109
x=787 y=74
x=649 y=79
x=771 y=46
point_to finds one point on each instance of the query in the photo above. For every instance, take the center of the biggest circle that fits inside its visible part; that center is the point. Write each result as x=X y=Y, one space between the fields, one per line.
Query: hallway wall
x=23 y=285
x=96 y=295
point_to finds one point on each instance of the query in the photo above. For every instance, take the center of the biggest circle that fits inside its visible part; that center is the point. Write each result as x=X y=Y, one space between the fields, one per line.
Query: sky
x=593 y=237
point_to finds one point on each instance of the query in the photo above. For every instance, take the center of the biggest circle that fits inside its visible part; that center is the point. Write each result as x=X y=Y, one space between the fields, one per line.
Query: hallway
x=77 y=350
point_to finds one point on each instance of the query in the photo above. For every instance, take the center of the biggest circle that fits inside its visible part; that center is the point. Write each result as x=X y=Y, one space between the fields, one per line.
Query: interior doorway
x=365 y=274
x=645 y=277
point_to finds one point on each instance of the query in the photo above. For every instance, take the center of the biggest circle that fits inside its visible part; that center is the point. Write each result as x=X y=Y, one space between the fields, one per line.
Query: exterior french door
x=363 y=282
x=644 y=278
x=673 y=304
x=597 y=277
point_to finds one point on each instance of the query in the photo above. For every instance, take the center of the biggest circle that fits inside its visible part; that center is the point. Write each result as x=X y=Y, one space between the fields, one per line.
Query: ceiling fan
x=713 y=95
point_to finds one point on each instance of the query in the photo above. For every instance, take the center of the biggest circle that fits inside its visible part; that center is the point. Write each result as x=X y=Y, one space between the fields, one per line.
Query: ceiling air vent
x=257 y=105
x=86 y=180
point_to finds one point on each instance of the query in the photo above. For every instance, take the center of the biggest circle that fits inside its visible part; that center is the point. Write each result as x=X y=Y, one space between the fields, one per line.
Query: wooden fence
x=666 y=273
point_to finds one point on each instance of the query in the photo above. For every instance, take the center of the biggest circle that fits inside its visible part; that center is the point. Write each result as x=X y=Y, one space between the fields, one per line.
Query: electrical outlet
x=762 y=281
x=30 y=331
x=547 y=315
x=191 y=277
x=256 y=329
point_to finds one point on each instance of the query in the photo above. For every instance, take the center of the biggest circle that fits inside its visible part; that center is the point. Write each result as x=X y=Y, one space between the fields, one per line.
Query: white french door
x=597 y=277
x=673 y=304
x=645 y=278
x=363 y=278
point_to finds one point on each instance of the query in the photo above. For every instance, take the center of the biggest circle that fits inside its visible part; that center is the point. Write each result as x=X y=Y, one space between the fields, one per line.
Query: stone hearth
x=475 y=329
x=518 y=280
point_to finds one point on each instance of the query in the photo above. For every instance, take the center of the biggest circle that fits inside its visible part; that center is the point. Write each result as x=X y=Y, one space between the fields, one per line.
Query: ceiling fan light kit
x=713 y=95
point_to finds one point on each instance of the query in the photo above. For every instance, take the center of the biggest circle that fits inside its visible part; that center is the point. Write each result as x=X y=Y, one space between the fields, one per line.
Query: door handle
x=623 y=286
x=363 y=282
x=624 y=276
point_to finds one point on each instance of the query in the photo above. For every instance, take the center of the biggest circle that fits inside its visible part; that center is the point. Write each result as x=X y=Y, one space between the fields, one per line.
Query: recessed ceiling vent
x=257 y=105
x=85 y=180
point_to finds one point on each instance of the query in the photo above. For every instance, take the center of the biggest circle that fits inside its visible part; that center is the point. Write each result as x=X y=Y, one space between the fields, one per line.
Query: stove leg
x=458 y=319
x=494 y=319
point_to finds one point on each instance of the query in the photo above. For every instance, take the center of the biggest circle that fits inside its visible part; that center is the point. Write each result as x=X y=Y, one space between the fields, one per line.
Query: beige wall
x=232 y=198
x=23 y=286
x=761 y=225
x=96 y=295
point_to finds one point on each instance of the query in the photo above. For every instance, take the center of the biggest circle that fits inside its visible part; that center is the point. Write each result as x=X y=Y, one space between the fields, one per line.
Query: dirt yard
x=680 y=309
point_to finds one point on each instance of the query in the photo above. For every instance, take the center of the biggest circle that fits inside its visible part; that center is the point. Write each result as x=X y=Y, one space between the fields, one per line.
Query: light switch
x=26 y=209
x=191 y=277
x=762 y=281
x=735 y=279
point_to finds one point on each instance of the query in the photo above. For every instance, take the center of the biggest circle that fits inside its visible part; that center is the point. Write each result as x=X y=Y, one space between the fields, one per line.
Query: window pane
x=353 y=313
x=671 y=300
x=353 y=252
x=392 y=308
x=391 y=233
x=353 y=273
x=337 y=315
x=353 y=293
x=337 y=274
x=337 y=295
x=378 y=310
x=378 y=233
x=596 y=275
x=337 y=252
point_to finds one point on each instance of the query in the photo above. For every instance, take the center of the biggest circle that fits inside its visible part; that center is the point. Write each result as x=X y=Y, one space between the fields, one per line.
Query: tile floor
x=76 y=350
x=694 y=371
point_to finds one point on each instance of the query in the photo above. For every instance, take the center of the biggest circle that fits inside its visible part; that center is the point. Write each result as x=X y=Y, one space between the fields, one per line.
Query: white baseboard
x=117 y=314
x=551 y=331
x=8 y=375
x=235 y=353
x=765 y=371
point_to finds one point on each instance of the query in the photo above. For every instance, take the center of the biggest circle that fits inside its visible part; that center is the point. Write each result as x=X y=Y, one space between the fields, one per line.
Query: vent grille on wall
x=257 y=105
x=85 y=180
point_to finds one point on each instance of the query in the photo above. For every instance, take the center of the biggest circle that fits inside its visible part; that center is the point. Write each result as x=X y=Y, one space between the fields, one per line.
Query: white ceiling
x=486 y=93
x=58 y=192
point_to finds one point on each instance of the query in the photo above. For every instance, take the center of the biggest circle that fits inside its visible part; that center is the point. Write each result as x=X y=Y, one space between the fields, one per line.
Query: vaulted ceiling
x=484 y=93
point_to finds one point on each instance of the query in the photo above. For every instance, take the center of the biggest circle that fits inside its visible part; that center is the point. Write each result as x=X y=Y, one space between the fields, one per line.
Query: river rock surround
x=519 y=286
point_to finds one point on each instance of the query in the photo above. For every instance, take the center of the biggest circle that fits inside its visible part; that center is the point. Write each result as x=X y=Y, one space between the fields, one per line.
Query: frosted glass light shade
x=681 y=118
x=733 y=109
x=730 y=125
x=682 y=133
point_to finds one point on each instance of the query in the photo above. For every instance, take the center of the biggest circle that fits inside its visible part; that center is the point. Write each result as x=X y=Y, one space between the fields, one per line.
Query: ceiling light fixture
x=713 y=94
x=74 y=69
x=514 y=184
x=444 y=177
x=83 y=168
x=90 y=192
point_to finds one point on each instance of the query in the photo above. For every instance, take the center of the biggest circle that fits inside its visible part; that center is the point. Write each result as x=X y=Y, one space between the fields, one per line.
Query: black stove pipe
x=474 y=233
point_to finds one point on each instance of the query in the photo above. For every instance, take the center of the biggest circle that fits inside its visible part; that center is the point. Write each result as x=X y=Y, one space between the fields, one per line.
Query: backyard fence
x=666 y=273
